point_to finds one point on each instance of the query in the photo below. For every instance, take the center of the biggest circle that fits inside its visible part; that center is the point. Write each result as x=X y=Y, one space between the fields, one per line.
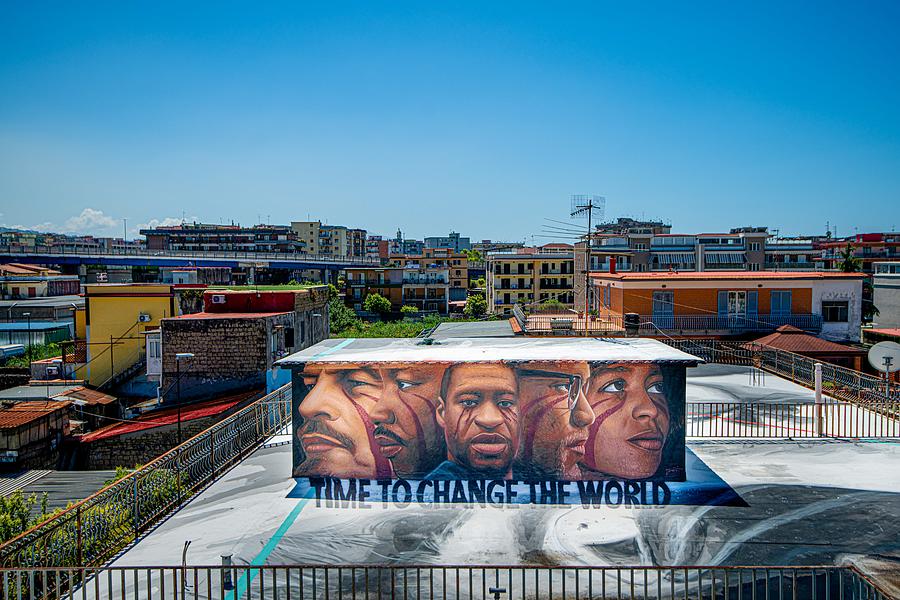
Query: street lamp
x=178 y=358
x=27 y=315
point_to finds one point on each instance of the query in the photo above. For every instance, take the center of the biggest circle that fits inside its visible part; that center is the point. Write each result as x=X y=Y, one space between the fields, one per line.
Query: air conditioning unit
x=218 y=298
x=143 y=318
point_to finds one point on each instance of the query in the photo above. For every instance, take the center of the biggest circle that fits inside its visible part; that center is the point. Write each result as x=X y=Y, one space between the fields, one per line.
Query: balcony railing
x=730 y=323
x=432 y=582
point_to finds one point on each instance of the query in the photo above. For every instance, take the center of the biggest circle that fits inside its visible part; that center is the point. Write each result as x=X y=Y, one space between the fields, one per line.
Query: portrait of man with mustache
x=335 y=434
x=479 y=412
x=405 y=419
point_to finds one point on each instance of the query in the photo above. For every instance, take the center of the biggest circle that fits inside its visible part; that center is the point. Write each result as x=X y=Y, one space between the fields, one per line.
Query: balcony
x=735 y=324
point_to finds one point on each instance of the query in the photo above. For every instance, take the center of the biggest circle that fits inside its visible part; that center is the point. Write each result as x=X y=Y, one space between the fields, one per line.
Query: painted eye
x=405 y=385
x=560 y=388
x=656 y=388
x=616 y=386
x=469 y=403
x=505 y=403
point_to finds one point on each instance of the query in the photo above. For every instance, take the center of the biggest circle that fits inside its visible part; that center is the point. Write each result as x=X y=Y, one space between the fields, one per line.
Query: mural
x=519 y=420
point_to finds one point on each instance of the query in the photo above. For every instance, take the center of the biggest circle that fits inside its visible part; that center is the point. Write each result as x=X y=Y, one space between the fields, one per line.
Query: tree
x=479 y=283
x=340 y=317
x=476 y=306
x=407 y=310
x=473 y=255
x=848 y=262
x=377 y=303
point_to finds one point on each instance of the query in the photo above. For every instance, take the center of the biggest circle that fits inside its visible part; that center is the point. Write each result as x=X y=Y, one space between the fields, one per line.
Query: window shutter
x=723 y=303
x=752 y=303
x=786 y=298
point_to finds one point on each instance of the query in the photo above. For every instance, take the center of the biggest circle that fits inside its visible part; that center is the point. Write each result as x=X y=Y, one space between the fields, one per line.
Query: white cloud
x=164 y=222
x=90 y=221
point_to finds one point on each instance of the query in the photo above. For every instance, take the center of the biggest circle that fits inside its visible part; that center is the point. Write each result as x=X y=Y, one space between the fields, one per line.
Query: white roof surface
x=455 y=350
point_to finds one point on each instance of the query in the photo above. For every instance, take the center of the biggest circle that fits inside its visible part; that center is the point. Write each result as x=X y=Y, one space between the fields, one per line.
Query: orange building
x=733 y=302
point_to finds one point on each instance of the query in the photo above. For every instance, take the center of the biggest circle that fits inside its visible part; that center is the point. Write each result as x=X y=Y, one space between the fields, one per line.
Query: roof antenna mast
x=586 y=206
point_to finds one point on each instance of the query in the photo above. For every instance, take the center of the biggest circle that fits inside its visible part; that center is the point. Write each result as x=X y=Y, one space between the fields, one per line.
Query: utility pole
x=585 y=206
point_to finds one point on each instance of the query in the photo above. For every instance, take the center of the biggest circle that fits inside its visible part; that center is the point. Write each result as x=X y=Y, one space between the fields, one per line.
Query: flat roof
x=473 y=329
x=725 y=275
x=32 y=392
x=455 y=350
x=35 y=326
x=24 y=303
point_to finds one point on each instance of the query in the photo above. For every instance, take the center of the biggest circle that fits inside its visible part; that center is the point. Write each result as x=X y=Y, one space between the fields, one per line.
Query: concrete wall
x=849 y=291
x=886 y=297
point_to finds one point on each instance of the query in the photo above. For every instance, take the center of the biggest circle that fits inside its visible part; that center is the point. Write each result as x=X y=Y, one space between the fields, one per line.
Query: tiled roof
x=892 y=332
x=88 y=396
x=169 y=416
x=725 y=275
x=22 y=413
x=791 y=339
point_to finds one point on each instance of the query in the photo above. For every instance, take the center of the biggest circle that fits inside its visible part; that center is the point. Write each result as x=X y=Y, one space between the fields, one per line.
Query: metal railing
x=93 y=530
x=731 y=323
x=300 y=582
x=780 y=421
x=838 y=382
x=225 y=254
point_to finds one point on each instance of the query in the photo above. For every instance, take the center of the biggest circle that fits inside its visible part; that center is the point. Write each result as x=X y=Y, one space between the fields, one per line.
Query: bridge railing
x=429 y=582
x=145 y=252
x=93 y=530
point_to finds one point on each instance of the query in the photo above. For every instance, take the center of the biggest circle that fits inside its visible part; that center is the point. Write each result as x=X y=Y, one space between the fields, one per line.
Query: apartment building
x=886 y=294
x=377 y=247
x=869 y=248
x=648 y=249
x=529 y=275
x=330 y=240
x=424 y=286
x=203 y=237
x=728 y=303
x=452 y=242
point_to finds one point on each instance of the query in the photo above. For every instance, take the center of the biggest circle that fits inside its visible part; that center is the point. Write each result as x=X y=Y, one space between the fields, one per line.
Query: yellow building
x=109 y=330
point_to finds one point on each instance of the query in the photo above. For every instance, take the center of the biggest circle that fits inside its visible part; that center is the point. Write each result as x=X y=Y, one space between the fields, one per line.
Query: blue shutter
x=775 y=309
x=752 y=303
x=786 y=302
x=723 y=304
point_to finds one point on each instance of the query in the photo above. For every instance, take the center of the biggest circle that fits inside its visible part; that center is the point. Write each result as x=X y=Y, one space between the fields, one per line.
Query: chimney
x=612 y=265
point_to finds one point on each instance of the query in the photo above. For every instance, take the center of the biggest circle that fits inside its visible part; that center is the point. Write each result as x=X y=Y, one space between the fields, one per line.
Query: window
x=835 y=311
x=781 y=302
x=153 y=349
x=663 y=304
x=289 y=337
x=737 y=303
x=754 y=246
x=754 y=266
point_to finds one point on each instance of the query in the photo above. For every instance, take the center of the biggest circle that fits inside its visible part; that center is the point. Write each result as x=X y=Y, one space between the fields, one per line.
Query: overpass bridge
x=131 y=257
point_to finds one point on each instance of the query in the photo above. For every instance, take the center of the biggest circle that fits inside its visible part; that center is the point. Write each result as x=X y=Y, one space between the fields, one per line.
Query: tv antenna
x=885 y=357
x=586 y=207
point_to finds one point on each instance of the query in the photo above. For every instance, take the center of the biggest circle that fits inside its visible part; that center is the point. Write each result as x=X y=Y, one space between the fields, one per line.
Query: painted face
x=480 y=417
x=406 y=427
x=336 y=433
x=555 y=418
x=631 y=422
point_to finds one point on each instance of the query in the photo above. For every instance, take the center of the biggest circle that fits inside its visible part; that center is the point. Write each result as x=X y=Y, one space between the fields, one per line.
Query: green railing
x=93 y=530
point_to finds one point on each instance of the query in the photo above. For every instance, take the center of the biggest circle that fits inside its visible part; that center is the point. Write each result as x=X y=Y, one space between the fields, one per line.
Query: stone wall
x=229 y=354
x=141 y=447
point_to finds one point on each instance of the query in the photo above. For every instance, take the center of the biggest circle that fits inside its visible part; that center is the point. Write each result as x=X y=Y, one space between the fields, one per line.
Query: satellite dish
x=885 y=357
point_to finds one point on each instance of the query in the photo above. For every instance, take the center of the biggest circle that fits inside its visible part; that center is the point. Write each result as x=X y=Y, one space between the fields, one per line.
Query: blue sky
x=480 y=117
